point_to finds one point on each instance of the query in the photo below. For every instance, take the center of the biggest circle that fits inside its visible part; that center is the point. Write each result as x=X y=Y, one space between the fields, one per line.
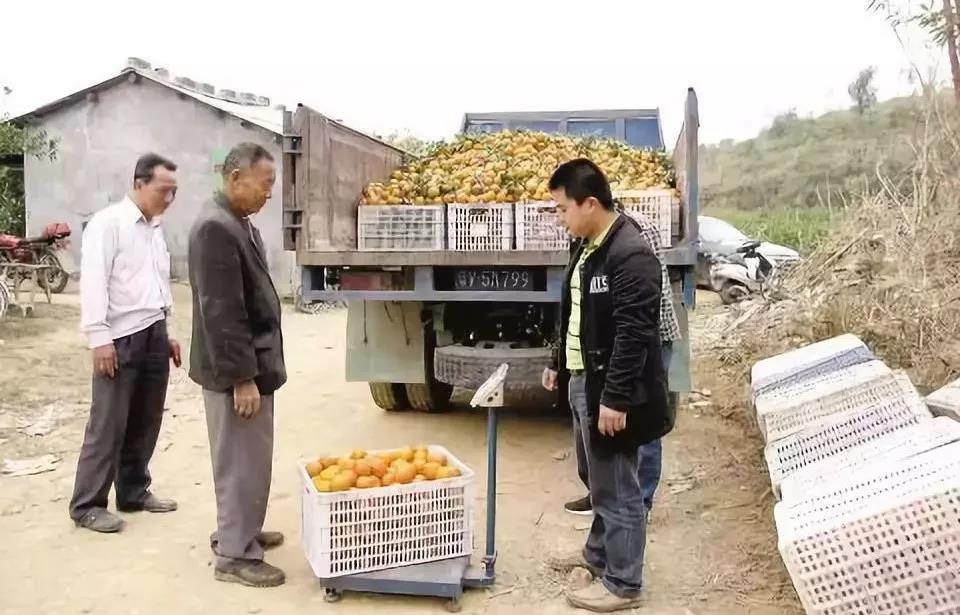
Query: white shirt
x=124 y=274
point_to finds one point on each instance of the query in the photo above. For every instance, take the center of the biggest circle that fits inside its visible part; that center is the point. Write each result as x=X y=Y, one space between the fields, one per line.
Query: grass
x=801 y=228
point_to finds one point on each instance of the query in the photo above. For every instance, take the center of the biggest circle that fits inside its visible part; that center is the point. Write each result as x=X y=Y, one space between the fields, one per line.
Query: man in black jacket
x=610 y=347
x=236 y=355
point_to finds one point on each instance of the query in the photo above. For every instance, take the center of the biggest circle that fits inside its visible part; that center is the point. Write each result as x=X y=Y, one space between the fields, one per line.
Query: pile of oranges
x=360 y=470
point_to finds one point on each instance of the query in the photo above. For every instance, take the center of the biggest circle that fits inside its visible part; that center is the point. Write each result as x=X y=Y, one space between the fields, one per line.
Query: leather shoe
x=151 y=503
x=100 y=520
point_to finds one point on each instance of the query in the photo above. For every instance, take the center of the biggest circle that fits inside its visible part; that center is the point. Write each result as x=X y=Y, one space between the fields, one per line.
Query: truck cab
x=421 y=322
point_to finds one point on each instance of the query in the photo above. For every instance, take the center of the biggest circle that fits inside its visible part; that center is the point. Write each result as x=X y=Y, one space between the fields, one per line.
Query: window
x=484 y=127
x=536 y=126
x=643 y=132
x=597 y=128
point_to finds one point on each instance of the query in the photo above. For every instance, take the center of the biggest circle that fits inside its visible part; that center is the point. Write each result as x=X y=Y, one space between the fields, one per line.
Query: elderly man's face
x=250 y=189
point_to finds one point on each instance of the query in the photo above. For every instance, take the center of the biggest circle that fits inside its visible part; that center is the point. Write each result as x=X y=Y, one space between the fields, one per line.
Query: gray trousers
x=242 y=454
x=618 y=535
x=124 y=423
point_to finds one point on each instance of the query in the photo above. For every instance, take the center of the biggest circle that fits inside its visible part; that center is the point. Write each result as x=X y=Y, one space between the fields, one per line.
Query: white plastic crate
x=946 y=401
x=800 y=391
x=654 y=207
x=903 y=444
x=480 y=227
x=856 y=393
x=539 y=228
x=400 y=228
x=767 y=373
x=364 y=530
x=885 y=541
x=841 y=432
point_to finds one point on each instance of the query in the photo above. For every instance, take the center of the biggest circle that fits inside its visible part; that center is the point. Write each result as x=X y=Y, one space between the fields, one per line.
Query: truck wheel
x=389 y=396
x=470 y=366
x=433 y=396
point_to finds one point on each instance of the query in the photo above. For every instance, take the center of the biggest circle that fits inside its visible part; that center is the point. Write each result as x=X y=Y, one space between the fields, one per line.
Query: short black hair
x=244 y=156
x=147 y=165
x=581 y=179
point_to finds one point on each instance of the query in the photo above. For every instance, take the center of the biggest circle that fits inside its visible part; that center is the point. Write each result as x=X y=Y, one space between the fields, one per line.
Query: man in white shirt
x=125 y=301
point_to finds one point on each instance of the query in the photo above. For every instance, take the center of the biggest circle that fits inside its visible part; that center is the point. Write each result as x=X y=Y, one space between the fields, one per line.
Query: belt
x=577 y=372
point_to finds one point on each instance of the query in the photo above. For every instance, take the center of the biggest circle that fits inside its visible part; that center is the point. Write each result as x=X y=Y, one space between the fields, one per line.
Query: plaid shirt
x=669 y=325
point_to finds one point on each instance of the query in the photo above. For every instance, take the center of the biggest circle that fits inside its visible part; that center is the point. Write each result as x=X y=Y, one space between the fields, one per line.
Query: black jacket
x=236 y=309
x=620 y=336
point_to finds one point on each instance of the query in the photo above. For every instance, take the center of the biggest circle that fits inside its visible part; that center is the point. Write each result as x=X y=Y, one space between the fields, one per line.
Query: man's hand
x=175 y=353
x=105 y=362
x=549 y=379
x=246 y=399
x=611 y=421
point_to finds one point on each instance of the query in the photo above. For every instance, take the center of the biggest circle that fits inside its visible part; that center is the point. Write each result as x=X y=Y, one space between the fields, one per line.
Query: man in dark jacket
x=236 y=355
x=610 y=347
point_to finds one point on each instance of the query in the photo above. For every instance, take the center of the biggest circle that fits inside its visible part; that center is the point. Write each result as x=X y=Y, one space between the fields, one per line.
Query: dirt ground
x=711 y=544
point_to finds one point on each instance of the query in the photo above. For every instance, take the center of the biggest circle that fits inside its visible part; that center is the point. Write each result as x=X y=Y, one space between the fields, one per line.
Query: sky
x=417 y=66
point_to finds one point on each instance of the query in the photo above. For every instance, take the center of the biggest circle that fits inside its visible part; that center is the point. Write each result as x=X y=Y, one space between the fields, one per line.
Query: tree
x=16 y=142
x=408 y=142
x=940 y=21
x=863 y=91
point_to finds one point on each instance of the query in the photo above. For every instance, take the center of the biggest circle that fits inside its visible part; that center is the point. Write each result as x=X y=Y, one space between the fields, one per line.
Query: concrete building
x=102 y=130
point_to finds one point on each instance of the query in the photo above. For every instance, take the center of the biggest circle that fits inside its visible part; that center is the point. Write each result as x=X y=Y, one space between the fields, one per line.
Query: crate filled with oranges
x=367 y=511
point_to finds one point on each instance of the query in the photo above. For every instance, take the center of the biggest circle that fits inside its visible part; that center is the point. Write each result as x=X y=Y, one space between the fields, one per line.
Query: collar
x=597 y=241
x=134 y=215
x=220 y=198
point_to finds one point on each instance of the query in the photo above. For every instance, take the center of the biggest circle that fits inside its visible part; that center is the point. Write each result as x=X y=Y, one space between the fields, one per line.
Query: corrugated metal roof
x=264 y=116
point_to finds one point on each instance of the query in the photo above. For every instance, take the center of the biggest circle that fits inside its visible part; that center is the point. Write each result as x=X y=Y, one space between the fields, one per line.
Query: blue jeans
x=618 y=534
x=651 y=453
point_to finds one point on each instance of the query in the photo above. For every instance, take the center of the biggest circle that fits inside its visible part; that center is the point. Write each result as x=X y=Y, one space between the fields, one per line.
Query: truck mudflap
x=470 y=366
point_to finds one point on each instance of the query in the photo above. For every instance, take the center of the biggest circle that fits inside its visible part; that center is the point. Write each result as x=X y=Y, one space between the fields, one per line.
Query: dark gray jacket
x=236 y=309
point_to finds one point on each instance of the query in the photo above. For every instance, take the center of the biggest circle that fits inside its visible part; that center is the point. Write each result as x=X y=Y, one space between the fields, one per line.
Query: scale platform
x=449 y=577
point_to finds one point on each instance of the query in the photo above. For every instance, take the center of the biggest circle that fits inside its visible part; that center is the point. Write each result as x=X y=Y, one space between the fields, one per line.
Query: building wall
x=98 y=145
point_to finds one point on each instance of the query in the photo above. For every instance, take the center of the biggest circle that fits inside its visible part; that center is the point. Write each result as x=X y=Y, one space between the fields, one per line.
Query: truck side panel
x=385 y=342
x=334 y=166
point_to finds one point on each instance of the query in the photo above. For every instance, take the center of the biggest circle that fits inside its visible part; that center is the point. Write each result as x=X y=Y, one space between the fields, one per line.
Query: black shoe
x=579 y=507
x=100 y=520
x=250 y=573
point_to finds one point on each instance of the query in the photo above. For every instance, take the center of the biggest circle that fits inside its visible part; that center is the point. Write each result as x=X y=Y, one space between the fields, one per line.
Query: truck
x=422 y=322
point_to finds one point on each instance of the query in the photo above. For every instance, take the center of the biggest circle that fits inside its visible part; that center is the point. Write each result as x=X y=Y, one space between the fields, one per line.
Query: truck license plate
x=494 y=279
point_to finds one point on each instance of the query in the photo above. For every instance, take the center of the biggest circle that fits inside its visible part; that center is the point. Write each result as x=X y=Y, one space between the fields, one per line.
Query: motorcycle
x=738 y=275
x=49 y=249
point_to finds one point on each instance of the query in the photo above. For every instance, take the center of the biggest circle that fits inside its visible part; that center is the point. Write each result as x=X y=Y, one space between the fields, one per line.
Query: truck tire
x=470 y=366
x=389 y=396
x=433 y=396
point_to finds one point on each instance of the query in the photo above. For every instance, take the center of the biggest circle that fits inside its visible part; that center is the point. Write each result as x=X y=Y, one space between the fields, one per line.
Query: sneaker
x=579 y=507
x=598 y=599
x=100 y=520
x=151 y=503
x=250 y=573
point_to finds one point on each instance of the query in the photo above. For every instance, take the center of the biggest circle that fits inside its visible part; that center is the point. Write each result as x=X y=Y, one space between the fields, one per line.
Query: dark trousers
x=617 y=537
x=651 y=453
x=241 y=451
x=124 y=423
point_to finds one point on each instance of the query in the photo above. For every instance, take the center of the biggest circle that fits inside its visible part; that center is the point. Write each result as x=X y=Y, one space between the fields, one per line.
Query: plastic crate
x=768 y=373
x=400 y=228
x=841 y=432
x=654 y=206
x=480 y=228
x=800 y=391
x=886 y=541
x=350 y=532
x=855 y=394
x=946 y=401
x=903 y=444
x=539 y=228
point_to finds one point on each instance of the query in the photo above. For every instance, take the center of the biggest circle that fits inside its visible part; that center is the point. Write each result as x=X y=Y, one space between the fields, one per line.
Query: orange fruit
x=346 y=463
x=406 y=454
x=388 y=479
x=322 y=485
x=328 y=461
x=455 y=472
x=314 y=468
x=430 y=470
x=406 y=473
x=418 y=464
x=378 y=467
x=419 y=478
x=362 y=468
x=358 y=454
x=368 y=482
x=438 y=458
x=329 y=473
x=444 y=472
x=420 y=456
x=342 y=481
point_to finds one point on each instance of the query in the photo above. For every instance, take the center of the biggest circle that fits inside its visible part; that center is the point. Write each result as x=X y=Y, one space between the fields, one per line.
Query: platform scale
x=444 y=578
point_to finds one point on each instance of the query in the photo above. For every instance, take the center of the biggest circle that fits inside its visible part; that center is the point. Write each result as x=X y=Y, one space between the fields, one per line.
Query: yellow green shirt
x=574 y=356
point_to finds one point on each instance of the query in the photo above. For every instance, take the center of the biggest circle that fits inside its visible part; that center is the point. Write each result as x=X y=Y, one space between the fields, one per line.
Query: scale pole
x=491 y=555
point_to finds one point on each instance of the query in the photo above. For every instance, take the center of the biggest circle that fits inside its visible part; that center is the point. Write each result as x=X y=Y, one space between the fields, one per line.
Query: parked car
x=722 y=238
